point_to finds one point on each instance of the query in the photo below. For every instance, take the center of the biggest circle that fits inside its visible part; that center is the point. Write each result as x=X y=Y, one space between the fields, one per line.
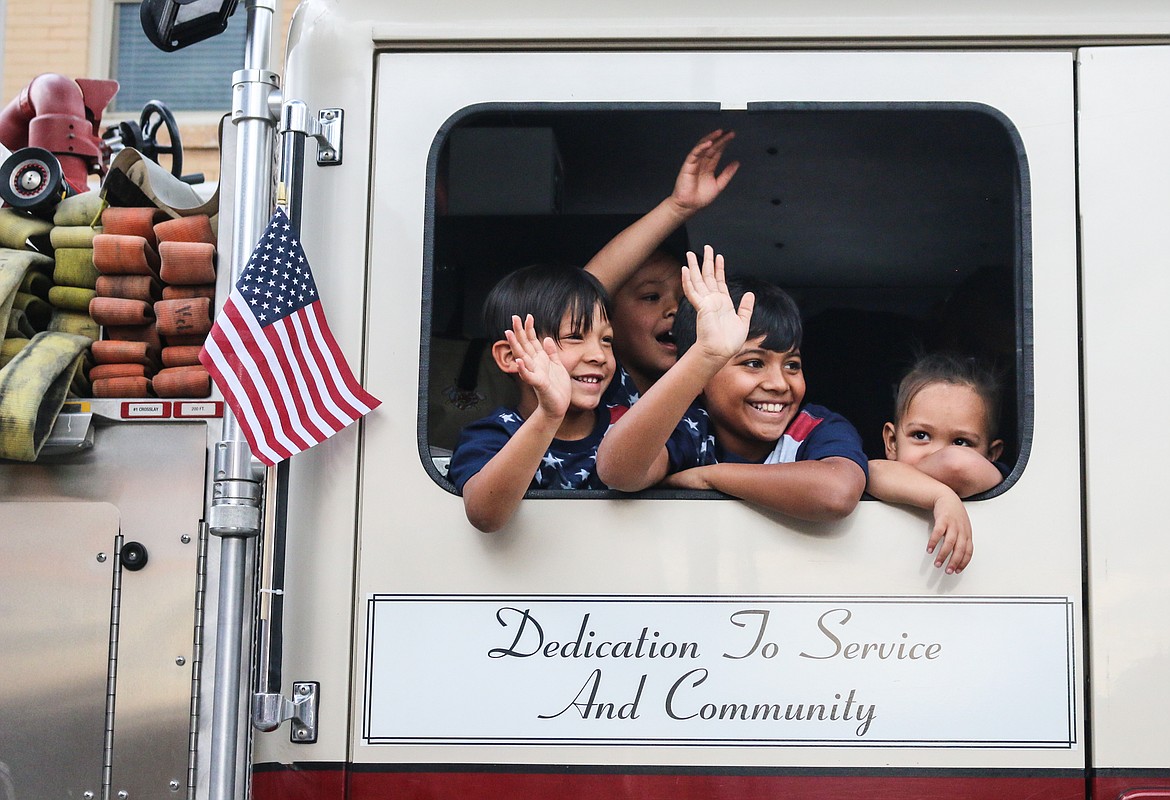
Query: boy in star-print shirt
x=753 y=436
x=561 y=353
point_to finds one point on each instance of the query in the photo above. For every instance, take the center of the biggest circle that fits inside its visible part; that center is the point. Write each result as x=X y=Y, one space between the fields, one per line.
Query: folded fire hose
x=14 y=266
x=32 y=390
x=37 y=366
x=16 y=228
x=79 y=210
x=141 y=273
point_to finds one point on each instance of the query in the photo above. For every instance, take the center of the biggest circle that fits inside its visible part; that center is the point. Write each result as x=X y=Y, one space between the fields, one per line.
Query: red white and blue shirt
x=815 y=433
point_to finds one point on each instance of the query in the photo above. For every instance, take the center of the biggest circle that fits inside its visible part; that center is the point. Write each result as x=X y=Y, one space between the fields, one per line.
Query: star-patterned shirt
x=568 y=464
x=622 y=390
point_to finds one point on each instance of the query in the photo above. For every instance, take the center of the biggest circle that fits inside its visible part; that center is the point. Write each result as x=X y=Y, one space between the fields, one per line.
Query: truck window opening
x=898 y=229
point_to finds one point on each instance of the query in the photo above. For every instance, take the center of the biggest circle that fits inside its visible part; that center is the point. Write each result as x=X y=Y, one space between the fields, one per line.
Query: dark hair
x=675 y=248
x=547 y=292
x=954 y=369
x=775 y=317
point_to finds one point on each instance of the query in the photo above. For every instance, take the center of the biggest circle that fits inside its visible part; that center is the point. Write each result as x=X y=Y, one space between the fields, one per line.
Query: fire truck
x=919 y=174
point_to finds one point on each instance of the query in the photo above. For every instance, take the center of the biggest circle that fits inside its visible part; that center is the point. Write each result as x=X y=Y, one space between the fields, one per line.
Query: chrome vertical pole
x=235 y=514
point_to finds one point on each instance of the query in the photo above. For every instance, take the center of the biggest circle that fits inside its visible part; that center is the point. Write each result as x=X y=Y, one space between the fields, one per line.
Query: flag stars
x=271 y=267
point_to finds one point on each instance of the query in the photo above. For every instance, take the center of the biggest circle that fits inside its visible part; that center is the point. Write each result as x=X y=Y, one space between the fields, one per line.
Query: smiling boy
x=753 y=437
x=561 y=353
x=642 y=278
x=643 y=318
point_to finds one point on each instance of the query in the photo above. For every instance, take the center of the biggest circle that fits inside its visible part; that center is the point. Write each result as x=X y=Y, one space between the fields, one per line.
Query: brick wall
x=41 y=36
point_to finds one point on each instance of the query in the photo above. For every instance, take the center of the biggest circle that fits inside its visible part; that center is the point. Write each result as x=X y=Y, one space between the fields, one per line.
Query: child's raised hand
x=539 y=365
x=697 y=185
x=951 y=536
x=720 y=328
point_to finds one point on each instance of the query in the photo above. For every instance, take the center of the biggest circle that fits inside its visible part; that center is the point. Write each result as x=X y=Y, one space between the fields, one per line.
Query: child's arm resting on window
x=695 y=188
x=964 y=470
x=895 y=482
x=492 y=495
x=633 y=453
x=818 y=491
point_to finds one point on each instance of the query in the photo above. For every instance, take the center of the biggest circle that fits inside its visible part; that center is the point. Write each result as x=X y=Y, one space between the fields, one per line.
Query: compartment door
x=415 y=540
x=55 y=610
x=1124 y=153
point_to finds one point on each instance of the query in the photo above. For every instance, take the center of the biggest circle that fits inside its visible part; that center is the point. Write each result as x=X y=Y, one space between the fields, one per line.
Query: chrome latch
x=326 y=129
x=270 y=710
x=329 y=123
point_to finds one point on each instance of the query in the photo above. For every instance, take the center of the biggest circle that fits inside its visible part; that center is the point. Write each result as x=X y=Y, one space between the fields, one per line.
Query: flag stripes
x=273 y=357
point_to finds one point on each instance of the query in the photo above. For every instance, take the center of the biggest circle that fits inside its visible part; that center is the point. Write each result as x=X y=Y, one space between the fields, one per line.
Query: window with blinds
x=196 y=78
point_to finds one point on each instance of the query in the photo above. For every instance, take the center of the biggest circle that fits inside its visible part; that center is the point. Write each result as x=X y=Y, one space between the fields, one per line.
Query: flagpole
x=270 y=632
x=235 y=512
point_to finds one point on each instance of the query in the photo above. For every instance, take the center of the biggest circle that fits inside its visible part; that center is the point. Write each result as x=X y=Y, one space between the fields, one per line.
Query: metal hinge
x=328 y=136
x=326 y=129
x=270 y=710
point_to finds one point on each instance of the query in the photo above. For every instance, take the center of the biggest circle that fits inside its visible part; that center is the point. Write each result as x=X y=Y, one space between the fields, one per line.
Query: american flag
x=272 y=355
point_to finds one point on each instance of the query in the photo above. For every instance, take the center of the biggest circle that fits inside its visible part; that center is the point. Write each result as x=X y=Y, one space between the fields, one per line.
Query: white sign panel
x=744 y=671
